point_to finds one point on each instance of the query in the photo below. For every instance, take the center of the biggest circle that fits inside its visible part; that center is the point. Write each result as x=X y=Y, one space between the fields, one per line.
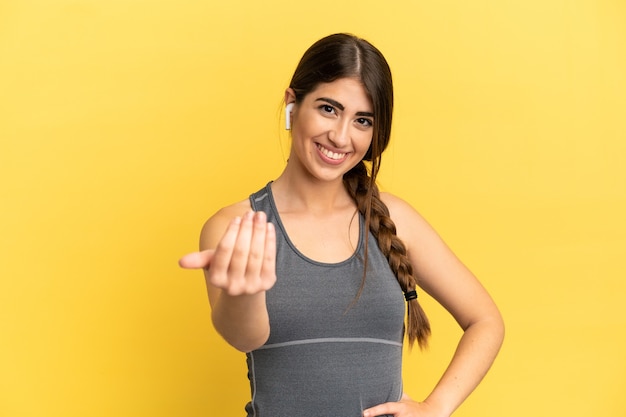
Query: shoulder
x=409 y=222
x=237 y=209
x=396 y=205
x=216 y=225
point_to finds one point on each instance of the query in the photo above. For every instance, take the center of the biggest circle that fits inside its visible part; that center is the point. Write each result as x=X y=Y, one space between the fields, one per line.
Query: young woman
x=311 y=274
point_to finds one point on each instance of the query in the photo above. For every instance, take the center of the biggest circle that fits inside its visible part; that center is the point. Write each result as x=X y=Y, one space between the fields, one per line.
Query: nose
x=339 y=134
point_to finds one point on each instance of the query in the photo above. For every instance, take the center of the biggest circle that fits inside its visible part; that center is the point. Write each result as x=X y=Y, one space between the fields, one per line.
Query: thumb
x=196 y=260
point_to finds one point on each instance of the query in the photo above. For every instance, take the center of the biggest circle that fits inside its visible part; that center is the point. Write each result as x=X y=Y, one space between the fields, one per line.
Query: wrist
x=439 y=407
x=242 y=320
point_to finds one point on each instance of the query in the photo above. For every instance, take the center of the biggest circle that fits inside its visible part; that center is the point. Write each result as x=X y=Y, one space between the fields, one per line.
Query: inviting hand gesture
x=244 y=261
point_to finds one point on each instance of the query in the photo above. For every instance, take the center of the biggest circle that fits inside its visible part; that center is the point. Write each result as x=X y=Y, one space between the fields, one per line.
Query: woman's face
x=332 y=128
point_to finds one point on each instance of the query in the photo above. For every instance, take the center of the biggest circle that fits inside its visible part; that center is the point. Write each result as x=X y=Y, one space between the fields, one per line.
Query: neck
x=309 y=194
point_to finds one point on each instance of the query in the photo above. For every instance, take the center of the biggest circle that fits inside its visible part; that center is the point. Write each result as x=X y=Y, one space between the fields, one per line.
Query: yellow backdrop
x=124 y=124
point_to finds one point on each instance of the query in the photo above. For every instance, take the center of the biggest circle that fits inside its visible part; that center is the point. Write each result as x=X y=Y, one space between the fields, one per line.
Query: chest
x=313 y=300
x=327 y=239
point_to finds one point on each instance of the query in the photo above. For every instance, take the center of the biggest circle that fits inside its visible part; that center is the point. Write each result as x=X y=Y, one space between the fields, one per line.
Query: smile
x=329 y=154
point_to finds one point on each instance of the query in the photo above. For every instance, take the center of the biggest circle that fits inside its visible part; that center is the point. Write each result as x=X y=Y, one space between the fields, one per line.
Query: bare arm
x=442 y=275
x=238 y=253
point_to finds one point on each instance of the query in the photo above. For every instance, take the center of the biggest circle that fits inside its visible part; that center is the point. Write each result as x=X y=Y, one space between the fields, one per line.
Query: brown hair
x=347 y=56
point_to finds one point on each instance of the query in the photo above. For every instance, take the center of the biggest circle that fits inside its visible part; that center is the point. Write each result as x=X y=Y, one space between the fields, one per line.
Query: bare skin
x=238 y=247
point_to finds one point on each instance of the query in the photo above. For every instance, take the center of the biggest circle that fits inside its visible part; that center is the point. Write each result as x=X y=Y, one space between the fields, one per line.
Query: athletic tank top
x=327 y=357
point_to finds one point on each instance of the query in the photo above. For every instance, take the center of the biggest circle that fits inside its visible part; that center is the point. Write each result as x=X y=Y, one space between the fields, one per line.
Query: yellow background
x=124 y=124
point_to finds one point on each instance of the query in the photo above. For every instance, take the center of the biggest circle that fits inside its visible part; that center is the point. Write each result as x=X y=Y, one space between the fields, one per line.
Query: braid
x=362 y=188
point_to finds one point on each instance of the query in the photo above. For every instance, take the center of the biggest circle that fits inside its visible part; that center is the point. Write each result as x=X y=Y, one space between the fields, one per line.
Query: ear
x=290 y=96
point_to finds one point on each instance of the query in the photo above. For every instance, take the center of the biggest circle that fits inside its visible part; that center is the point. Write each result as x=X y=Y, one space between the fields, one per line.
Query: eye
x=327 y=108
x=364 y=122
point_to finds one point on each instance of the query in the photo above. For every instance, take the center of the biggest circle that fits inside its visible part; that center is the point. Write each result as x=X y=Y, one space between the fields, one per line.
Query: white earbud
x=288 y=110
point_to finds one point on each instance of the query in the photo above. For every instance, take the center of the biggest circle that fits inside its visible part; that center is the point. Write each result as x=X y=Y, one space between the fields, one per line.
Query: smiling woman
x=310 y=275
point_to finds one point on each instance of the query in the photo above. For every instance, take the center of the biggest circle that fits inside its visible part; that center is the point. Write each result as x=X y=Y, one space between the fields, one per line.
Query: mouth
x=335 y=156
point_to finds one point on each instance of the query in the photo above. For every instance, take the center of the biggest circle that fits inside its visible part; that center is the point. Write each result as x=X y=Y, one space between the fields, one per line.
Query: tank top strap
x=263 y=201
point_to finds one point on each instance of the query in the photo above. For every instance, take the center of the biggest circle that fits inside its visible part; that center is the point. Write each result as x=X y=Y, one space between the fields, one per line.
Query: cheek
x=365 y=141
x=365 y=148
x=306 y=127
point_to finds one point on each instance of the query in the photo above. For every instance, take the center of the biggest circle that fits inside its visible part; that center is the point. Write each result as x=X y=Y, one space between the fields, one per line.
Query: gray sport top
x=325 y=357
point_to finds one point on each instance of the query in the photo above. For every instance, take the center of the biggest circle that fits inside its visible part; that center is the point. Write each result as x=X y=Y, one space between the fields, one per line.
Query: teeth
x=331 y=155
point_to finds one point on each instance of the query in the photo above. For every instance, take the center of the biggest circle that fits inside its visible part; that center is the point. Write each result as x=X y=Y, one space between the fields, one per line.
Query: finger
x=240 y=253
x=196 y=260
x=218 y=272
x=256 y=252
x=268 y=269
x=382 y=409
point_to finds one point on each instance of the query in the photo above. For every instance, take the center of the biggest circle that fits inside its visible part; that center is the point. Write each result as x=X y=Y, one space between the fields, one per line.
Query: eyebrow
x=340 y=106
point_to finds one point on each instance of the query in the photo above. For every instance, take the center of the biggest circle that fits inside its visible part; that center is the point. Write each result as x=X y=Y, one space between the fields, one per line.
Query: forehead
x=350 y=92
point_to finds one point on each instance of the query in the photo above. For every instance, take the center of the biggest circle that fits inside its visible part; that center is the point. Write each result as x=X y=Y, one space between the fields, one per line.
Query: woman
x=307 y=276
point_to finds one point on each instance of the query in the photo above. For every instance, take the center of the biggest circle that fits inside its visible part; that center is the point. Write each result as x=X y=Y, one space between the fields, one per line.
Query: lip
x=328 y=159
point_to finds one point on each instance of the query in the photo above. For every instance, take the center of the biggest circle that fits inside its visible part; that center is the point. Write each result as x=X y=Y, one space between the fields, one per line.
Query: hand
x=406 y=407
x=244 y=261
